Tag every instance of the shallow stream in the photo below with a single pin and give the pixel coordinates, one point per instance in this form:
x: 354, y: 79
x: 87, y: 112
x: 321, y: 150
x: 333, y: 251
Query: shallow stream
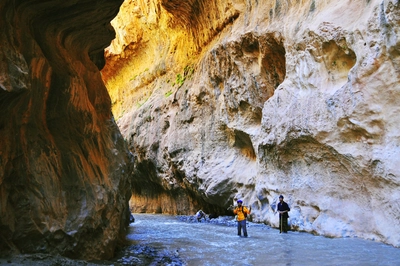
x: 172, y: 240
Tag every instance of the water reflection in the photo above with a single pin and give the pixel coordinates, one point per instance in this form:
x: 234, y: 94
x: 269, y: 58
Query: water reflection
x: 211, y: 244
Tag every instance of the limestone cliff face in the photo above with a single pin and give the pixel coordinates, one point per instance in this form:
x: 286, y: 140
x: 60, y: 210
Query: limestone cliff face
x: 254, y: 99
x: 64, y: 165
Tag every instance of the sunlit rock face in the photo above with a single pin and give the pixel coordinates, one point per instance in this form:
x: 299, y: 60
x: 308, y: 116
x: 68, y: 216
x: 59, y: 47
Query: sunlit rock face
x: 64, y: 166
x: 253, y: 99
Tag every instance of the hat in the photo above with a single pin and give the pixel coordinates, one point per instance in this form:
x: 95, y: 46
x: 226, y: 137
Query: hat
x: 281, y: 196
x: 239, y: 201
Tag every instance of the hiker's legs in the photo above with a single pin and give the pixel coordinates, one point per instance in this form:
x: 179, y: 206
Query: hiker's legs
x: 285, y: 224
x: 244, y: 227
x: 239, y: 227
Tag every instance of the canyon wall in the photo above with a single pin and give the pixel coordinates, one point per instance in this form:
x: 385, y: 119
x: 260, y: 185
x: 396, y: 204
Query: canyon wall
x: 64, y: 165
x: 253, y: 99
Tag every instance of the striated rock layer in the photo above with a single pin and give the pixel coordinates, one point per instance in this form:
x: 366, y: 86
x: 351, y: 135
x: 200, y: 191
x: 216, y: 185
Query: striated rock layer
x: 64, y: 165
x: 254, y: 99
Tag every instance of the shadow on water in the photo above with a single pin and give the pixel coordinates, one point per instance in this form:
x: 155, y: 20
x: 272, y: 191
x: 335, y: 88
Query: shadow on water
x: 181, y: 240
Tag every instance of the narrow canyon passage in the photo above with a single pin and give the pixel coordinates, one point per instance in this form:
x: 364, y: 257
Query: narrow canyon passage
x: 192, y: 243
x: 168, y: 106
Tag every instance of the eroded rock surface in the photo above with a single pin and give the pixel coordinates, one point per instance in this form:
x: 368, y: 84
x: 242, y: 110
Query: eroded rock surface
x: 253, y: 99
x: 64, y: 166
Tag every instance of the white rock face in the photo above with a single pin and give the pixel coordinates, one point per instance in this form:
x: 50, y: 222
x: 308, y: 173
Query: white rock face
x: 299, y: 98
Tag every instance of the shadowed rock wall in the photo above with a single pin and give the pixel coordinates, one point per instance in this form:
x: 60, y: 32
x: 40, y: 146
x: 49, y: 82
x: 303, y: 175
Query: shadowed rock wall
x: 64, y: 165
x: 253, y: 99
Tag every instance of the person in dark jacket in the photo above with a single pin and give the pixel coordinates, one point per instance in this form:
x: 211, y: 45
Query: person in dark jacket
x: 283, y: 209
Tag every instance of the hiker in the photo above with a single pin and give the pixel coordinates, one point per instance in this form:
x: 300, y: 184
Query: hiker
x: 283, y: 209
x: 241, y: 212
x: 200, y: 214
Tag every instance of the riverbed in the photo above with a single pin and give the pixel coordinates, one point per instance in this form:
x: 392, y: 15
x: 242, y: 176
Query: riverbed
x: 184, y: 241
x: 158, y: 240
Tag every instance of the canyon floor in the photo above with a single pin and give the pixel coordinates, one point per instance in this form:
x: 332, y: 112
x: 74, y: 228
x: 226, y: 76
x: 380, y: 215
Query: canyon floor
x: 156, y: 239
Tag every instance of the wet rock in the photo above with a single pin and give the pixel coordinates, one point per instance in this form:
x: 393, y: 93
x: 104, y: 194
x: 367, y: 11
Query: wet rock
x: 213, y: 216
x: 131, y: 218
x: 145, y: 255
x: 44, y: 260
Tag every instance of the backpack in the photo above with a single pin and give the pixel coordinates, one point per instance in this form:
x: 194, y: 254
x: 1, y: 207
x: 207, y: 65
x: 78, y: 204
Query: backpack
x: 245, y: 213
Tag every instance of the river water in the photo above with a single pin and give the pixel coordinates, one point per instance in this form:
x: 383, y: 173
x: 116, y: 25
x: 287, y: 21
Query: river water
x: 174, y: 240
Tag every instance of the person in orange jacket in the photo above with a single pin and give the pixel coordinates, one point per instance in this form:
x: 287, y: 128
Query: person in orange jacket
x: 241, y: 212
